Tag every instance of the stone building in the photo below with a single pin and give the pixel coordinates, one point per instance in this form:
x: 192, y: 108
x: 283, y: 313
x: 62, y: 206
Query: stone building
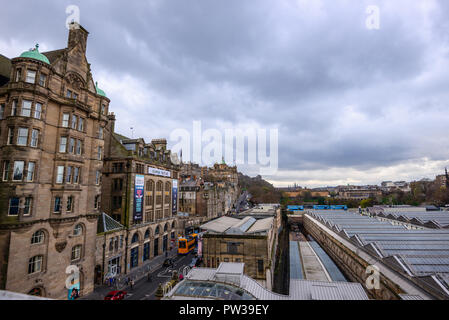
x: 52, y: 116
x: 139, y: 190
x: 442, y: 180
x: 222, y: 172
x: 189, y: 202
x: 110, y: 248
x: 359, y: 192
x: 248, y: 240
x: 206, y: 193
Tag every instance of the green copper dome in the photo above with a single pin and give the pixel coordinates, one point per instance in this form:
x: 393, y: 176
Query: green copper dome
x: 35, y: 54
x: 99, y: 91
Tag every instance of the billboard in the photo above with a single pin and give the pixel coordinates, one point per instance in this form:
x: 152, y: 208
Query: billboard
x: 174, y: 200
x: 138, y: 196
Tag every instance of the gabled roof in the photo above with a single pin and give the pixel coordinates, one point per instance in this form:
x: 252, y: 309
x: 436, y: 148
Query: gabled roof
x: 120, y: 137
x: 107, y: 224
x: 54, y: 55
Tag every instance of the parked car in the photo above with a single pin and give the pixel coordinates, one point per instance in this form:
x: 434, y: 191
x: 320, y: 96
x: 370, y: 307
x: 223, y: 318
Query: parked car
x: 168, y: 262
x: 115, y: 295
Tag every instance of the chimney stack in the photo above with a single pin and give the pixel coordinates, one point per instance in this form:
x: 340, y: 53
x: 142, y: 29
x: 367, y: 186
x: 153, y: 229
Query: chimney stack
x: 77, y: 34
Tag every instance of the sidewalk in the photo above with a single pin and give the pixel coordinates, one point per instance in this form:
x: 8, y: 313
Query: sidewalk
x: 135, y: 274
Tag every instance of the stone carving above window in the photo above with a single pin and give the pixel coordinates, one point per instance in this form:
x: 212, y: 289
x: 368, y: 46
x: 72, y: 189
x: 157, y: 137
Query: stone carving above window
x: 75, y: 81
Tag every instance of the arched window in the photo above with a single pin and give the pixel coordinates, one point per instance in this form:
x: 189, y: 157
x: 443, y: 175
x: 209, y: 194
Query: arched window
x: 168, y: 192
x: 159, y: 196
x: 35, y: 264
x: 173, y: 225
x: 38, y: 237
x: 147, y: 234
x: 157, y: 230
x: 78, y: 230
x: 166, y: 227
x: 150, y: 185
x: 135, y: 238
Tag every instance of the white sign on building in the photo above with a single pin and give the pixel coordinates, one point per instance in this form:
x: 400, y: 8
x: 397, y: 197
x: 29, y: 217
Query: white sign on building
x: 159, y: 172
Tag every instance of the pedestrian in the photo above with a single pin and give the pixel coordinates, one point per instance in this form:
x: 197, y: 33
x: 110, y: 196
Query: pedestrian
x: 132, y: 284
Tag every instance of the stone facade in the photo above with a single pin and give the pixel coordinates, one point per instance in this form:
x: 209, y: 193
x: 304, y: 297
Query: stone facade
x: 207, y: 193
x: 50, y: 121
x: 256, y: 251
x: 154, y: 231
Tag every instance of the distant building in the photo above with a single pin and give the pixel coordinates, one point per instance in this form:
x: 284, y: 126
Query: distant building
x: 358, y: 192
x: 442, y: 180
x: 206, y: 193
x: 397, y: 185
x: 304, y: 192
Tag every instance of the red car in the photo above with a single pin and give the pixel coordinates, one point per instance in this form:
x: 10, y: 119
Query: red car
x: 115, y: 295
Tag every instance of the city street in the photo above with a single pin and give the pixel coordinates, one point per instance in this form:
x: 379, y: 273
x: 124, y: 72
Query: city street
x: 145, y: 290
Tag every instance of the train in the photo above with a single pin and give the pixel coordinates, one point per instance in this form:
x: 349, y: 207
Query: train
x: 297, y: 208
x: 187, y: 244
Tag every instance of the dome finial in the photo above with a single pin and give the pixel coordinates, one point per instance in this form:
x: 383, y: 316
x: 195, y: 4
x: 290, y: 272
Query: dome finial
x: 37, y: 46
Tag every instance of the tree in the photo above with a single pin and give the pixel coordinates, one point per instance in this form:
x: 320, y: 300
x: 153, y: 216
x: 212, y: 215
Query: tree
x: 366, y: 203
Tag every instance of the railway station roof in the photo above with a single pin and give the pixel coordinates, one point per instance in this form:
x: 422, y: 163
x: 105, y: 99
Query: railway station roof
x: 421, y: 254
x: 203, y: 283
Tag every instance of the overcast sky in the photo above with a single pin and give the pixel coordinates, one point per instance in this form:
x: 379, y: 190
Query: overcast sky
x: 352, y: 104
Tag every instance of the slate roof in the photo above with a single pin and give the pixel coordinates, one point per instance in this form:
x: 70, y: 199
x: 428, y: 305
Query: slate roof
x: 421, y: 254
x: 54, y: 55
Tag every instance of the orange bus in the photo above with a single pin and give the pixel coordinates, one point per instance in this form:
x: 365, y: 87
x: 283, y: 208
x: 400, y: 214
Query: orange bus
x: 187, y: 244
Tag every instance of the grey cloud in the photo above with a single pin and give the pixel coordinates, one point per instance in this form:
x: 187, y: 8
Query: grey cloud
x: 275, y: 64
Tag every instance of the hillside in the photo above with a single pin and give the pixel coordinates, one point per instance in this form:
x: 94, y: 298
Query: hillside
x: 262, y: 191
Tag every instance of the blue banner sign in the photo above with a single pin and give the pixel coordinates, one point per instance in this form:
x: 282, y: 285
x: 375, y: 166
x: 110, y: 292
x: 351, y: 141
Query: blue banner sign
x: 138, y: 197
x: 174, y: 209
